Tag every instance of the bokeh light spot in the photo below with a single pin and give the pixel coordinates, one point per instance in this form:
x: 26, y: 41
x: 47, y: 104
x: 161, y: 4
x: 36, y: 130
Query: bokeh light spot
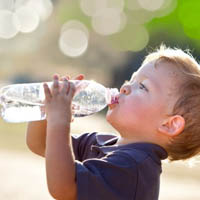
x: 19, y: 3
x: 107, y: 22
x: 123, y: 21
x: 132, y: 5
x: 28, y: 18
x: 140, y: 16
x: 43, y: 7
x: 167, y: 7
x: 151, y: 5
x: 9, y: 26
x: 116, y: 4
x: 92, y: 7
x: 6, y: 4
x: 132, y: 38
x: 74, y: 38
x: 75, y: 24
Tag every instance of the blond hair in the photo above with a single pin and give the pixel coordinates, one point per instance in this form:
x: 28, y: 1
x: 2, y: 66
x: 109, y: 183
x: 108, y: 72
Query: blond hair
x: 186, y: 144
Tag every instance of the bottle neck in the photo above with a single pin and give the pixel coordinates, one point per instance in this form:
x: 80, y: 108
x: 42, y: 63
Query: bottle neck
x: 111, y: 93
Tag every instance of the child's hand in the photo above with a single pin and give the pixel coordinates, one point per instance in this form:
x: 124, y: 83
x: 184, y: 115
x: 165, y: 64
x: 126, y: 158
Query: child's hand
x: 58, y: 101
x: 79, y: 77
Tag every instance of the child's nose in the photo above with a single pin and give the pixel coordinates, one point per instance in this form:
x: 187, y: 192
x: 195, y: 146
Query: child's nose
x: 125, y: 89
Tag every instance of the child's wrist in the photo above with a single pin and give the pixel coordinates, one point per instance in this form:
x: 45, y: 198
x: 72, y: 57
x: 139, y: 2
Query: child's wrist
x: 58, y: 126
x: 59, y: 118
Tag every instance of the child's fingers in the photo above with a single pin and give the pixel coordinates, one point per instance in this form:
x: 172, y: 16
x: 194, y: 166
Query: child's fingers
x: 66, y: 86
x: 79, y: 77
x: 72, y: 90
x: 47, y: 92
x: 62, y: 78
x: 65, y: 77
x: 55, y: 88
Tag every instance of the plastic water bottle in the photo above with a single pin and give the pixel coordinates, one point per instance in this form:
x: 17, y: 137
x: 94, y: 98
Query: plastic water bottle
x: 25, y: 102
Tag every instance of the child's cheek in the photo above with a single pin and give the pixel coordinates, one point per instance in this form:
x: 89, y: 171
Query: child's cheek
x: 138, y: 106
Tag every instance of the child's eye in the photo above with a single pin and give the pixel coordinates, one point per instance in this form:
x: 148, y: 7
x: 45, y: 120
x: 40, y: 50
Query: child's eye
x: 142, y: 86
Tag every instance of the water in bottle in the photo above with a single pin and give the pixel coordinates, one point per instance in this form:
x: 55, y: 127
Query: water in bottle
x: 25, y: 102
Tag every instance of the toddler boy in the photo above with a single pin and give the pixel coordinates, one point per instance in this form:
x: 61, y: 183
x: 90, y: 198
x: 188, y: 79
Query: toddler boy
x: 156, y: 115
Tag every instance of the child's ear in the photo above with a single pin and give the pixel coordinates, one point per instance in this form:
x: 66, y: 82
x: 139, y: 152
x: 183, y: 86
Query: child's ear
x: 173, y: 126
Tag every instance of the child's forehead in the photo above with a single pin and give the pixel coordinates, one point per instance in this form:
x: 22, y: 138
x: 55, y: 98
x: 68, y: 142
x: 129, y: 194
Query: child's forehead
x: 158, y: 76
x: 144, y: 70
x: 156, y: 67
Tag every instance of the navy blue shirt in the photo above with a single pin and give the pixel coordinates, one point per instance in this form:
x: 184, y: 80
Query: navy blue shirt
x: 105, y: 171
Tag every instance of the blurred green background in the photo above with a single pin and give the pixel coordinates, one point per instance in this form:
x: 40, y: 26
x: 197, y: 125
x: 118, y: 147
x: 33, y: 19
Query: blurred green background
x: 104, y: 39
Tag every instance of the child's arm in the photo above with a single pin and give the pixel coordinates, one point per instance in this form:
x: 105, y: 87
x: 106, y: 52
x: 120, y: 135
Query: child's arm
x: 36, y: 137
x: 60, y: 163
x: 36, y: 132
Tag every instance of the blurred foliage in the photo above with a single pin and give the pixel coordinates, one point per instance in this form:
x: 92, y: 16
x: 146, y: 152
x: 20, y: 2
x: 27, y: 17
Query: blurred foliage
x: 176, y: 28
x: 188, y: 13
x: 179, y: 27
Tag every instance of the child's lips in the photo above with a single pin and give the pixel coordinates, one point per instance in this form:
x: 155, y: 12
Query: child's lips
x: 114, y: 101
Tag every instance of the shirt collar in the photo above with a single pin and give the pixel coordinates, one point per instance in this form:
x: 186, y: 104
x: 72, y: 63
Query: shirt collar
x: 104, y: 139
x: 106, y: 144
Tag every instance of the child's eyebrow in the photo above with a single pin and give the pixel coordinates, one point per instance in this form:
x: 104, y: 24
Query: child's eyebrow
x: 143, y: 77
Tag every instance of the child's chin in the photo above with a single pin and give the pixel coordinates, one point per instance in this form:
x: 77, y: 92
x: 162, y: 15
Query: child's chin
x: 110, y: 119
x: 109, y: 115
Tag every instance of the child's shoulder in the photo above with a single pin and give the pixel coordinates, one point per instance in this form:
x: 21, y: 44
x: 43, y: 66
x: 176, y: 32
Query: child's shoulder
x: 142, y: 152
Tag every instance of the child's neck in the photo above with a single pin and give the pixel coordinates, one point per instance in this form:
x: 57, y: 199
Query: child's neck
x: 123, y: 141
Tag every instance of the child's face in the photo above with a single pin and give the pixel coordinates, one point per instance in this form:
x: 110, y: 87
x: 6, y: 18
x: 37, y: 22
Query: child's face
x: 144, y: 101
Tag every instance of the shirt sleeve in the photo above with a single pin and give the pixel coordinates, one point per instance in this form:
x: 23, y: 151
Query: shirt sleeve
x: 114, y: 177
